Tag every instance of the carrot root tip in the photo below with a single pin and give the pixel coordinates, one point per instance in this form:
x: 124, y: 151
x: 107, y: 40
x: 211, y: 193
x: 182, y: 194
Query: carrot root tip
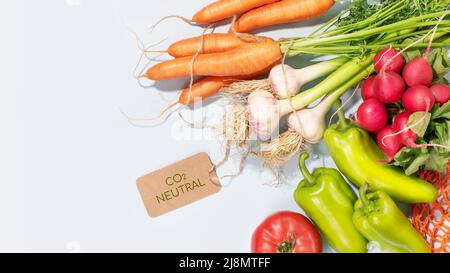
x: 133, y: 121
x: 193, y: 125
x: 155, y: 51
x: 184, y: 19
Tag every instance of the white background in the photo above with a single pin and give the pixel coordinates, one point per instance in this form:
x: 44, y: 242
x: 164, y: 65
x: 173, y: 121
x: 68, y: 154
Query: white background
x: 68, y: 157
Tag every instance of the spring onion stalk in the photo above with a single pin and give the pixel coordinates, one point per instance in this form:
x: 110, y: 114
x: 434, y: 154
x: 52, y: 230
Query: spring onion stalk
x: 310, y: 122
x: 342, y: 77
x: 334, y: 96
x: 285, y: 80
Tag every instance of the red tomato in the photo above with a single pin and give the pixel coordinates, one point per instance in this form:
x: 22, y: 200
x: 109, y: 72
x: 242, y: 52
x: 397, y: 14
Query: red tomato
x: 286, y: 232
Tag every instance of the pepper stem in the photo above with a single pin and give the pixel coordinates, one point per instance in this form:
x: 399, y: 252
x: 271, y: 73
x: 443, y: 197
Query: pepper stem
x: 363, y: 193
x: 343, y: 122
x: 302, y: 165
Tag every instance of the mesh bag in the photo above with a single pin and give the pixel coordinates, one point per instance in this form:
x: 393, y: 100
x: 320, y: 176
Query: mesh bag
x: 433, y: 220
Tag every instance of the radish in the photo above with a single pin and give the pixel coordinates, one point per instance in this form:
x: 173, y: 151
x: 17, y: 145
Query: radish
x: 389, y: 142
x: 372, y: 115
x: 418, y: 72
x: 401, y: 126
x: 389, y: 87
x: 441, y: 93
x: 418, y: 99
x: 368, y: 90
x: 389, y: 60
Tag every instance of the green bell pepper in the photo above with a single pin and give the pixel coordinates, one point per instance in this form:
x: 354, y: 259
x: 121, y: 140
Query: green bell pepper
x: 328, y: 200
x: 360, y: 159
x: 379, y: 219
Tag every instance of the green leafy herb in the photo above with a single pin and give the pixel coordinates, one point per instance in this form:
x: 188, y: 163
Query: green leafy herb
x: 362, y: 9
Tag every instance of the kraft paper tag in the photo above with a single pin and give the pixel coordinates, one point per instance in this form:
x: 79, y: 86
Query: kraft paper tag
x: 178, y: 185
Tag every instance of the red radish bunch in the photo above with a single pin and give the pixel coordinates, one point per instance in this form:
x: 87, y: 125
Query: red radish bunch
x: 385, y: 87
x: 408, y: 85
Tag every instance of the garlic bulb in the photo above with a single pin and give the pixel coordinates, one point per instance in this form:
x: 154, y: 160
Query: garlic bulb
x: 310, y: 123
x: 285, y: 81
x: 264, y: 113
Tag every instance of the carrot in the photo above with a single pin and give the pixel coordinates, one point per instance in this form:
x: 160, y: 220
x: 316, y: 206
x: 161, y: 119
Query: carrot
x: 244, y: 60
x: 204, y: 88
x: 212, y: 43
x: 209, y: 86
x: 286, y: 11
x: 224, y: 9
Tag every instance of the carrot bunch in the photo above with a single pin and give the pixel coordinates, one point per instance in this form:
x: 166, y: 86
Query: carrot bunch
x: 244, y: 60
x: 224, y: 58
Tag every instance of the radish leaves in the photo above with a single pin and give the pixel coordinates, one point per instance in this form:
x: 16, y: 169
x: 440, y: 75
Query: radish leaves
x: 419, y: 122
x: 437, y: 131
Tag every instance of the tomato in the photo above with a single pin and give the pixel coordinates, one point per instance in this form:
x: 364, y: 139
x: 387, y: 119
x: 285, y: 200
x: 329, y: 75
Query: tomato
x: 286, y: 232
